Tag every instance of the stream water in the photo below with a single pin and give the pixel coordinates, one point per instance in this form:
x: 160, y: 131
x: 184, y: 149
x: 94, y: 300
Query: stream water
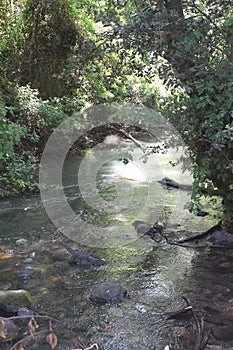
x: 156, y: 275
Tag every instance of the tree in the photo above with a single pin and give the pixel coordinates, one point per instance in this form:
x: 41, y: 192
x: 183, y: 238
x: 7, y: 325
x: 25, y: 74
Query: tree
x: 201, y: 54
x: 44, y: 33
x: 192, y: 44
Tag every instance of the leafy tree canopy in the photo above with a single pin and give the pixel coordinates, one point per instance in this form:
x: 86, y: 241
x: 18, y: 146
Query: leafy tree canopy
x: 81, y: 53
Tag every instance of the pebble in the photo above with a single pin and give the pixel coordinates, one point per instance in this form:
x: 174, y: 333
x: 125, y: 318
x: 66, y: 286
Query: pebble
x: 21, y: 242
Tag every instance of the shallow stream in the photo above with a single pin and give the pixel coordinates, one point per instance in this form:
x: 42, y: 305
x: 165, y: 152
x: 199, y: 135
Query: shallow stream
x: 155, y: 274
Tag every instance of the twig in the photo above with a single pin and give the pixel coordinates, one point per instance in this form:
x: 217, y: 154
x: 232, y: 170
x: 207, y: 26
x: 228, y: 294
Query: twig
x: 28, y: 338
x: 212, y: 22
x: 79, y: 343
x: 34, y: 316
x: 129, y: 136
x: 205, y: 340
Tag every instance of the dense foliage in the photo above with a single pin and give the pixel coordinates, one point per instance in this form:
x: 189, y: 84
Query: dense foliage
x: 57, y: 57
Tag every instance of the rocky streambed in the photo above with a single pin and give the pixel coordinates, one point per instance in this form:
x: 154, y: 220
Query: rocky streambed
x: 144, y: 279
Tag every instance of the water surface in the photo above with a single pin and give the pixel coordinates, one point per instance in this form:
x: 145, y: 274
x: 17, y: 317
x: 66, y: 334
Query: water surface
x: 156, y: 275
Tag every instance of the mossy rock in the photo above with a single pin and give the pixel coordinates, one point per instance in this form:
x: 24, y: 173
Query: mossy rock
x: 12, y: 300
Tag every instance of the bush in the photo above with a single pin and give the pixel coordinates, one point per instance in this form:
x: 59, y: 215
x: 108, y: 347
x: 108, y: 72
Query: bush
x: 24, y: 130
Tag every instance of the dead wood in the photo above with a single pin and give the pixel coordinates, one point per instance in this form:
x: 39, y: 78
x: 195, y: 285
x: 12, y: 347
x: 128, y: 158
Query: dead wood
x: 196, y: 238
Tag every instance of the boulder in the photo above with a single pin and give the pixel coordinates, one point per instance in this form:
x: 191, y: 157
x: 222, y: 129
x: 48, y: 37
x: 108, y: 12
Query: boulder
x: 144, y: 228
x: 109, y: 292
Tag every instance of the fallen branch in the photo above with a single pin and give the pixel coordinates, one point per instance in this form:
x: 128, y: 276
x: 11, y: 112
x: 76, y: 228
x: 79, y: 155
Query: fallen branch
x: 204, y: 234
x: 182, y: 242
x: 34, y: 316
x: 169, y: 183
x: 129, y: 136
x: 168, y: 241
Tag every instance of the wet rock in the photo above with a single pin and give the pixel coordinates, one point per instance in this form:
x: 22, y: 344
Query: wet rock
x: 24, y: 311
x: 143, y: 228
x: 21, y: 242
x: 25, y: 314
x: 28, y: 272
x: 82, y: 258
x: 223, y: 333
x: 221, y: 238
x: 109, y: 292
x: 12, y: 300
x: 8, y: 330
x: 222, y: 318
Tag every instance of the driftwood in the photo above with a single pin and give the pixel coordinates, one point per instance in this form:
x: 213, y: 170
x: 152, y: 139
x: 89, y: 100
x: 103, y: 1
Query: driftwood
x: 204, y: 234
x: 195, y: 238
x: 169, y: 183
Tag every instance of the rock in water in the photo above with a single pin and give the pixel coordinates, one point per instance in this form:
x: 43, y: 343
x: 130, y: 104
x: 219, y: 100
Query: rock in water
x: 12, y: 300
x: 144, y: 228
x: 222, y: 239
x: 82, y: 258
x: 109, y: 292
x: 8, y: 330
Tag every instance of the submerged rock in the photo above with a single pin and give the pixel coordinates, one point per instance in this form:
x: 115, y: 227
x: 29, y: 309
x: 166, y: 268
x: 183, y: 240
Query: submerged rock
x: 82, y: 258
x: 143, y: 228
x: 12, y: 300
x: 8, y: 330
x: 109, y: 292
x: 223, y: 333
x: 24, y: 311
x: 28, y: 272
x: 221, y: 238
